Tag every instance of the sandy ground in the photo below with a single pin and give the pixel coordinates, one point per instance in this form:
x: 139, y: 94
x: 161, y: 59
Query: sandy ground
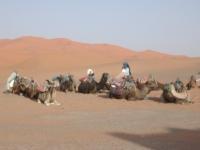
x: 93, y: 121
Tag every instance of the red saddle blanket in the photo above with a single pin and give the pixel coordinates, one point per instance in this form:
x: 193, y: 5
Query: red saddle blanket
x: 42, y: 87
x: 84, y: 79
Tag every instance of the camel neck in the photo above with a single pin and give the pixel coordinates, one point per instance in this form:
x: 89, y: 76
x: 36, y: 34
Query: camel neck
x: 160, y: 85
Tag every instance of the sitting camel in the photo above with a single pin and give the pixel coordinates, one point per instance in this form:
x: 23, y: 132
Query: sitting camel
x: 89, y: 85
x: 174, y: 92
x: 32, y: 90
x: 48, y: 96
x: 58, y: 79
x: 14, y: 89
x: 131, y: 90
x: 69, y: 85
x: 194, y: 82
x: 20, y: 87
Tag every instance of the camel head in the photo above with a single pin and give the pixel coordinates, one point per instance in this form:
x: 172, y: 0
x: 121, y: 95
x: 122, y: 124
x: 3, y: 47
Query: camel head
x: 23, y: 82
x: 152, y: 83
x: 52, y: 84
x: 104, y: 77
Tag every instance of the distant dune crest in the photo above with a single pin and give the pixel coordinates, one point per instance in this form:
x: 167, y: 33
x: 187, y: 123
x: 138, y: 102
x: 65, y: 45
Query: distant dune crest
x: 39, y: 52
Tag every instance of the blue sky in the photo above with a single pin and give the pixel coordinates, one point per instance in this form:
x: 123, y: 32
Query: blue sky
x: 168, y: 26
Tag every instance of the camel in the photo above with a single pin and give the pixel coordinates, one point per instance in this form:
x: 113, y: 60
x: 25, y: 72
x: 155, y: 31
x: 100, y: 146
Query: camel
x: 20, y: 87
x: 174, y: 92
x: 59, y: 80
x: 194, y: 82
x: 68, y: 85
x: 32, y: 91
x: 49, y: 96
x: 15, y: 88
x: 111, y: 79
x: 91, y: 86
x: 132, y: 90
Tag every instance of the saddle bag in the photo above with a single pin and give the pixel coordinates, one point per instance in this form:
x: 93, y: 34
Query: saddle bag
x: 54, y: 78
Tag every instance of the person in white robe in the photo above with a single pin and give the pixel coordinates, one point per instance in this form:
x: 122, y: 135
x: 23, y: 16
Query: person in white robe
x: 90, y: 72
x: 10, y: 81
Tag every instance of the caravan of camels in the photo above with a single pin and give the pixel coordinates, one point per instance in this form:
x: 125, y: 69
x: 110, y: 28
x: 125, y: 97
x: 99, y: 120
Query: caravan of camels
x: 122, y: 86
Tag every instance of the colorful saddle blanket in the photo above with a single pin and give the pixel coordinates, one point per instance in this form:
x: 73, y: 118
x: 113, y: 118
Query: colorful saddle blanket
x: 117, y: 87
x: 118, y: 82
x: 42, y: 87
x: 142, y: 80
x: 116, y: 90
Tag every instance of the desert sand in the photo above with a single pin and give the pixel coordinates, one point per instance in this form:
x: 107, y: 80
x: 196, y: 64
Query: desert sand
x: 93, y: 121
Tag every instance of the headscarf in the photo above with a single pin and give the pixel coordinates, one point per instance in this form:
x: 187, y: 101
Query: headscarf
x: 16, y: 71
x: 127, y: 66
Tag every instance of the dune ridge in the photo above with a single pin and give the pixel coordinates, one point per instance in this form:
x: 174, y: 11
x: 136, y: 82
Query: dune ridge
x: 27, y: 49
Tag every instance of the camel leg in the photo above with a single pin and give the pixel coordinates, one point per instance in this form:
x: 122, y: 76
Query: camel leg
x: 131, y: 99
x: 38, y: 100
x: 128, y: 98
x: 55, y: 102
x: 47, y: 99
x: 162, y: 98
x: 40, y: 97
x: 75, y: 89
x: 110, y: 95
x: 189, y: 100
x: 66, y: 90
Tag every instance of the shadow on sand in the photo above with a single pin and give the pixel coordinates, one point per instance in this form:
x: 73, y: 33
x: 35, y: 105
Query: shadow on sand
x: 183, y: 139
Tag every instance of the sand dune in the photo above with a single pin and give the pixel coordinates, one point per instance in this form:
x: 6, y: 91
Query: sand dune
x: 26, y: 48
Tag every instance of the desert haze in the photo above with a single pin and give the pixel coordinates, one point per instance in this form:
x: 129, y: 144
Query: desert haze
x: 94, y: 121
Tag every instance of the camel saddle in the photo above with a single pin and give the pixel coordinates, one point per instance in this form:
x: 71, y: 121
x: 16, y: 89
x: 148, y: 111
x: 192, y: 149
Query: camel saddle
x: 32, y: 83
x: 142, y: 80
x: 86, y: 79
x: 117, y: 86
x: 42, y: 87
x: 116, y: 90
x: 54, y: 78
x: 65, y: 78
